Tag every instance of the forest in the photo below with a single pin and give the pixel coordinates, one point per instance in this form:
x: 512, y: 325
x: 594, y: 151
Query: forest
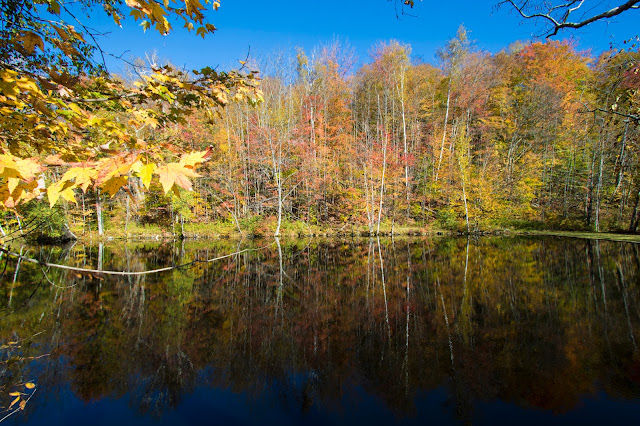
x: 470, y: 272
x: 537, y: 136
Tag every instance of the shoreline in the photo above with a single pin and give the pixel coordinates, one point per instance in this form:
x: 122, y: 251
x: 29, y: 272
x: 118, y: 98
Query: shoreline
x: 338, y: 233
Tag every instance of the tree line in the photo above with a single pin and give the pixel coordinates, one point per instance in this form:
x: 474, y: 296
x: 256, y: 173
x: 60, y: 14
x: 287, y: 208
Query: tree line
x: 537, y: 135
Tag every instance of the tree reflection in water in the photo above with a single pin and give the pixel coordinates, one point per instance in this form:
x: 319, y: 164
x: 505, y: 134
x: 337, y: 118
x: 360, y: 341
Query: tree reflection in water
x: 538, y: 322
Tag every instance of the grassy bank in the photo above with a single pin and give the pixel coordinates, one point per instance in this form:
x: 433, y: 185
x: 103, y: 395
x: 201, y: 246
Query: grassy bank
x: 251, y: 229
x: 53, y: 227
x: 634, y: 238
x: 257, y: 227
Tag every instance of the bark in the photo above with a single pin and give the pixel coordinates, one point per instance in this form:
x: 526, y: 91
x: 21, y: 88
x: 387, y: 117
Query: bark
x: 99, y: 213
x: 444, y: 131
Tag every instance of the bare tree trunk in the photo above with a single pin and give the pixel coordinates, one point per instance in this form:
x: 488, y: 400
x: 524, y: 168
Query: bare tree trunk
x: 404, y: 136
x: 384, y: 170
x: 464, y: 197
x: 99, y: 213
x: 599, y: 188
x: 444, y: 131
x: 126, y: 220
x: 100, y: 255
x: 633, y: 224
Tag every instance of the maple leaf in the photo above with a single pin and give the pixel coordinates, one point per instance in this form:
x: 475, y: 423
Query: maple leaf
x: 145, y: 173
x: 193, y: 159
x: 59, y: 189
x: 175, y: 174
x: 113, y: 185
x: 83, y: 176
x: 114, y: 166
x: 29, y: 41
x: 12, y: 183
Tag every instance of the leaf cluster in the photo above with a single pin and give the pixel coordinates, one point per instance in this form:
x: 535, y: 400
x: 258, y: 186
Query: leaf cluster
x: 61, y: 109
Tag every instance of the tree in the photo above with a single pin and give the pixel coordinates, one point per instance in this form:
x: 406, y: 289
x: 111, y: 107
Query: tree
x: 558, y: 15
x: 61, y: 108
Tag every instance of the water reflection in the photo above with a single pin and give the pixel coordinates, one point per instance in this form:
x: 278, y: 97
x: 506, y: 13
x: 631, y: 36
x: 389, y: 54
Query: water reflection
x: 311, y: 327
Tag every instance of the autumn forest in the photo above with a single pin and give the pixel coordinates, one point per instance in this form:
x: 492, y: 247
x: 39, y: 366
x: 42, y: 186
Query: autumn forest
x: 539, y: 135
x: 459, y: 221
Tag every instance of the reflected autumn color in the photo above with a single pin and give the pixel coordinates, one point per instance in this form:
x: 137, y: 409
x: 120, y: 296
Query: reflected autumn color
x: 536, y: 322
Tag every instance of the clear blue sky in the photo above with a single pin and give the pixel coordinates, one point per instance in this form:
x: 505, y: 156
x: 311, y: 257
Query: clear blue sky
x: 267, y: 26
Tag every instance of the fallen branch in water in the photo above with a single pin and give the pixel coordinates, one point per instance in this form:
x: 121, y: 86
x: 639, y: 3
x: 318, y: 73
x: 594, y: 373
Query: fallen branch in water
x: 21, y: 407
x: 124, y: 273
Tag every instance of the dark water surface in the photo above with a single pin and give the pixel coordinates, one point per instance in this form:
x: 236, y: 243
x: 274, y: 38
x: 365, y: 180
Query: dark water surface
x: 412, y: 331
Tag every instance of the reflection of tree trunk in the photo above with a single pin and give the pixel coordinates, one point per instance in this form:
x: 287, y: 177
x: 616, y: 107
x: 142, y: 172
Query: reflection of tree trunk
x: 384, y: 291
x: 465, y: 307
x: 280, y: 284
x: 408, y: 309
x: 601, y: 275
x: 626, y: 305
x: 595, y: 266
x: 369, y: 254
x: 592, y: 275
x: 15, y: 277
x: 446, y: 321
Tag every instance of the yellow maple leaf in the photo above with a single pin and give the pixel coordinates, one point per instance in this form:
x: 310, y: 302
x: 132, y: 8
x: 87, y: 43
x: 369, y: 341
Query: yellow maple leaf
x: 28, y: 168
x: 145, y: 173
x: 59, y: 189
x: 175, y: 174
x: 114, y: 167
x: 193, y: 159
x: 113, y: 185
x: 12, y: 183
x: 83, y: 176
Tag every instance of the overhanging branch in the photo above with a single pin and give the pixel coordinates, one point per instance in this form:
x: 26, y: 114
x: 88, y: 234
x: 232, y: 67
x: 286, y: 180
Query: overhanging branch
x: 565, y: 10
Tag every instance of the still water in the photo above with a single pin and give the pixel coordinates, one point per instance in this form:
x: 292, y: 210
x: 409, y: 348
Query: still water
x: 504, y: 330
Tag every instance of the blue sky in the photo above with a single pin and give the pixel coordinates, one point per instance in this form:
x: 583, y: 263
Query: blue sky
x: 277, y: 25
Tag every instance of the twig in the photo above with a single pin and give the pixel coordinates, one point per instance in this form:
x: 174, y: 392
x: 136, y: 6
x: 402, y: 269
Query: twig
x: 19, y: 408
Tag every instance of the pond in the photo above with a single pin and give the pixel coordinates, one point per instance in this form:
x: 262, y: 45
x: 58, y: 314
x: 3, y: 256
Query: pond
x: 491, y: 330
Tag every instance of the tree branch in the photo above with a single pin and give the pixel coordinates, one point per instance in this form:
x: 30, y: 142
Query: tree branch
x: 563, y: 22
x: 124, y: 273
x: 633, y: 117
